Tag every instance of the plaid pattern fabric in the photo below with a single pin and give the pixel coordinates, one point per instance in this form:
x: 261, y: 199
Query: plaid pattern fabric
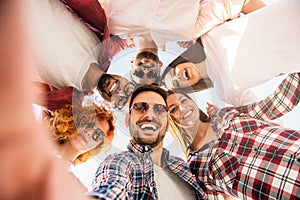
x: 253, y: 159
x: 130, y: 175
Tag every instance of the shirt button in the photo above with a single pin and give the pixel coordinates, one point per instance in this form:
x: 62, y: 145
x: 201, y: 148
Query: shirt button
x: 152, y: 184
x: 146, y: 148
x: 147, y: 160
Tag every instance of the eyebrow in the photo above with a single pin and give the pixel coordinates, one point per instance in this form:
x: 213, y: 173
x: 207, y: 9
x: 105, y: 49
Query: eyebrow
x: 175, y: 83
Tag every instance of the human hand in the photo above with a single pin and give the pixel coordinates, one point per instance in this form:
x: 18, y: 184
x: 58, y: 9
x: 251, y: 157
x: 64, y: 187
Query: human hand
x: 185, y: 44
x: 211, y: 109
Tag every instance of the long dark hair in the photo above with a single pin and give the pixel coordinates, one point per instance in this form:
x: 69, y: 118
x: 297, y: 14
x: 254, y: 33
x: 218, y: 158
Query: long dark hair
x: 194, y: 54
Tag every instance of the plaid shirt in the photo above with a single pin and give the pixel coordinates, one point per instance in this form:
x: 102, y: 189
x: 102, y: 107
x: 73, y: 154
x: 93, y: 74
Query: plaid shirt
x: 130, y: 175
x: 253, y: 159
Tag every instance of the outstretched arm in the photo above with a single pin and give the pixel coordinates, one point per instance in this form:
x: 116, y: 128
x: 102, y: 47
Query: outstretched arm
x: 29, y: 169
x: 283, y: 100
x: 252, y: 5
x: 111, y: 179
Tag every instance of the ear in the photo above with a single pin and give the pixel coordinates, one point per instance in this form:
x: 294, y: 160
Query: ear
x: 160, y: 63
x: 127, y: 120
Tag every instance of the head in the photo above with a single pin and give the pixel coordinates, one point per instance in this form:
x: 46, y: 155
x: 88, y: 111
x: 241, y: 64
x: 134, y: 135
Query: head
x: 185, y: 118
x: 183, y: 74
x: 145, y: 68
x: 86, y: 129
x: 148, y: 116
x: 115, y: 89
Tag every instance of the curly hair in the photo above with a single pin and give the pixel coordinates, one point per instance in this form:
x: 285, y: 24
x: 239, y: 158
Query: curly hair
x: 62, y: 125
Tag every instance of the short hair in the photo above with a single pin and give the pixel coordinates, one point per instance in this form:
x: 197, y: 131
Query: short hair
x: 152, y: 88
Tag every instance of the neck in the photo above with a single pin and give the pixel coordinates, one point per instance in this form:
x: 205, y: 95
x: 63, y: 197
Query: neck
x: 201, y: 68
x: 91, y: 78
x: 68, y: 152
x: 157, y: 154
x: 147, y: 44
x: 201, y: 137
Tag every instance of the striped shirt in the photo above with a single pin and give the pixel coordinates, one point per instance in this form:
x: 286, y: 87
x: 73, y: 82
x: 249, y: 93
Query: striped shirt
x: 130, y: 174
x: 253, y: 158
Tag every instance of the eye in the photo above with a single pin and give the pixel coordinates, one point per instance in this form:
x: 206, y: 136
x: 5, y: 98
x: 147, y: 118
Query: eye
x: 183, y: 100
x: 159, y: 109
x: 173, y: 109
x: 141, y: 107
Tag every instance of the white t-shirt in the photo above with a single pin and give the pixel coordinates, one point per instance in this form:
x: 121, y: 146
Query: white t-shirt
x: 63, y: 47
x: 171, y: 186
x: 251, y: 50
x: 168, y: 20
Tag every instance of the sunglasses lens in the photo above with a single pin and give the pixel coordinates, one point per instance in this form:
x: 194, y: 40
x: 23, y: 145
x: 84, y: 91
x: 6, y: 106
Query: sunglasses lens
x: 139, y: 73
x: 142, y: 107
x: 151, y: 74
x: 121, y: 102
x: 98, y: 135
x: 159, y: 109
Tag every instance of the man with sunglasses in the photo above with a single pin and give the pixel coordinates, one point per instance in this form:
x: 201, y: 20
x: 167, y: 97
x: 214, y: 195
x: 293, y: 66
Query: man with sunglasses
x: 146, y: 170
x: 116, y: 90
x: 145, y: 66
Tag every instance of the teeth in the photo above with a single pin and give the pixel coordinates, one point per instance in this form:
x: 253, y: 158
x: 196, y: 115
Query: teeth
x: 149, y: 126
x: 112, y: 87
x: 187, y: 114
x: 185, y: 74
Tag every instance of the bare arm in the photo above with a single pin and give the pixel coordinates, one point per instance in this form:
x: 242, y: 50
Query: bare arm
x: 29, y: 169
x: 252, y: 5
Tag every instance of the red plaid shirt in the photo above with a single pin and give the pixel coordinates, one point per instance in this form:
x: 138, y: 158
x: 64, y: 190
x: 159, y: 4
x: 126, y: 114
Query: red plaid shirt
x: 130, y: 175
x: 253, y: 159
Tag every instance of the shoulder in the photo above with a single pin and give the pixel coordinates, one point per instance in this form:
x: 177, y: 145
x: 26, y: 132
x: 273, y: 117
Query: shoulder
x: 120, y: 159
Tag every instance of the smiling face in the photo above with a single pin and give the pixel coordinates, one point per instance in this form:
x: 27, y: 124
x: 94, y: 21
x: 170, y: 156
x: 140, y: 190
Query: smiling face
x: 90, y: 134
x: 148, y: 120
x: 145, y: 68
x: 115, y: 89
x: 183, y: 75
x: 182, y: 109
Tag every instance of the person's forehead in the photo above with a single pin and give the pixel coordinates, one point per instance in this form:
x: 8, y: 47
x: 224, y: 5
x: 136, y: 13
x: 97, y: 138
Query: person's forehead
x: 149, y: 97
x: 174, y: 97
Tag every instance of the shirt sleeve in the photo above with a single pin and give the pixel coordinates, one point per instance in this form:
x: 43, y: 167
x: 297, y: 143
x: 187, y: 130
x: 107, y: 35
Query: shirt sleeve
x: 220, y: 119
x: 111, y: 180
x: 283, y: 100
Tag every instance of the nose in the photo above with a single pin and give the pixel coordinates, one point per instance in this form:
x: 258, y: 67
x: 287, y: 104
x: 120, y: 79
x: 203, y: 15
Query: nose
x: 150, y: 112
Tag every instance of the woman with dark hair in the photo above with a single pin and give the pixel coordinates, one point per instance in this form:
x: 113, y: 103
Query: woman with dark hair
x: 232, y: 63
x: 188, y: 71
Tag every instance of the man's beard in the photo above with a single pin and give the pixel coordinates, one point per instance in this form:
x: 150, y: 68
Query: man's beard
x: 152, y: 141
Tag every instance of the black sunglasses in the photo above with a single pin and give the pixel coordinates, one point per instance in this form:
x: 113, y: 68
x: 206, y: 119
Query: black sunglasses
x: 151, y: 74
x: 141, y: 108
